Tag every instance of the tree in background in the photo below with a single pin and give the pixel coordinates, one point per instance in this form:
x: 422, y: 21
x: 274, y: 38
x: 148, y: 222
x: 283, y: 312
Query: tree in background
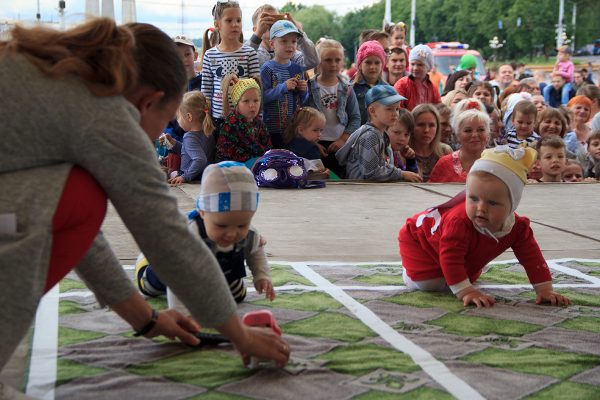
x: 456, y: 20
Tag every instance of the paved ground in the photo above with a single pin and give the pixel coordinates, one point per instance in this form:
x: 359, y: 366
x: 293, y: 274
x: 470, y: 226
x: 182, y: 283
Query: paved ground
x: 360, y: 222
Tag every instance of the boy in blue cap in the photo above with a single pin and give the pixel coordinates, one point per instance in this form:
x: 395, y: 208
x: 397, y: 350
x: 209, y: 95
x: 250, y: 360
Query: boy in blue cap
x: 283, y: 81
x: 367, y: 153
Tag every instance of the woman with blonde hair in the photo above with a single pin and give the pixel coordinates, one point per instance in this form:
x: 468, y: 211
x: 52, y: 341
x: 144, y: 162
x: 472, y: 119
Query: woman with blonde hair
x: 427, y: 139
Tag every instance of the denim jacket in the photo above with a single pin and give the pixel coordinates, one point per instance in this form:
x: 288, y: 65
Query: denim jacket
x: 347, y: 111
x: 361, y: 88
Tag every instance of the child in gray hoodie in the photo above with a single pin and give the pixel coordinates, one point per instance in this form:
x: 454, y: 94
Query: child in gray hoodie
x: 367, y: 153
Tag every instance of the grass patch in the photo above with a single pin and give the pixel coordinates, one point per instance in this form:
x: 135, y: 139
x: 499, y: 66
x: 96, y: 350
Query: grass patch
x: 405, y: 326
x: 557, y: 364
x: 308, y: 301
x: 588, y: 264
x: 589, y: 324
x: 206, y: 368
x: 281, y: 276
x: 217, y: 396
x: 499, y: 274
x: 567, y: 391
x: 469, y: 325
x: 66, y: 307
x: 68, y: 336
x: 331, y: 326
x: 577, y: 298
x: 362, y: 359
x: 67, y: 370
x: 422, y: 393
x: 445, y: 301
x: 381, y: 279
x: 69, y: 284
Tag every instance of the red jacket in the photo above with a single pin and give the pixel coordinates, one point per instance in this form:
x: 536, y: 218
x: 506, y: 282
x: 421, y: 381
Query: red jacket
x: 457, y: 251
x: 406, y: 87
x: 448, y: 169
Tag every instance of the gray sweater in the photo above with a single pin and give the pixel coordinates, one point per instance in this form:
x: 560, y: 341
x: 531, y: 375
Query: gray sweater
x: 47, y: 126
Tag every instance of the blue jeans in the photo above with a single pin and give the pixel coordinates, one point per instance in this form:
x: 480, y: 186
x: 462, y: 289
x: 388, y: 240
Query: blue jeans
x: 564, y: 94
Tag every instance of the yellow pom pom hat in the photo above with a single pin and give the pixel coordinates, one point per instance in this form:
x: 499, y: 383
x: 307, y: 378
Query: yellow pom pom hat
x: 510, y: 166
x: 239, y: 87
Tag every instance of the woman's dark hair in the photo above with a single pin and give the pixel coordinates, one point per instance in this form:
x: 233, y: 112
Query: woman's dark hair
x: 158, y: 61
x: 451, y: 81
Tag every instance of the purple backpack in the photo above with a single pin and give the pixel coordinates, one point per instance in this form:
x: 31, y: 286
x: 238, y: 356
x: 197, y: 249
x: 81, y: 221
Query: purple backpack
x: 279, y: 168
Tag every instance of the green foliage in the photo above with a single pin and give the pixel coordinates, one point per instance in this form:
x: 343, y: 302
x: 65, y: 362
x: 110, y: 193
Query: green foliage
x: 558, y: 364
x: 567, y: 391
x: 68, y: 370
x: 469, y: 325
x: 335, y: 326
x: 360, y: 359
x: 451, y: 20
x: 318, y: 22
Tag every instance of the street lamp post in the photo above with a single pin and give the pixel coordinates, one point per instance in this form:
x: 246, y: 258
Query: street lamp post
x: 495, y: 44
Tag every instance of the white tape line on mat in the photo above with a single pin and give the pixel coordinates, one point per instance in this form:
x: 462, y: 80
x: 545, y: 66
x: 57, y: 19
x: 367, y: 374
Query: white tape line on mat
x: 437, y: 370
x: 42, y: 371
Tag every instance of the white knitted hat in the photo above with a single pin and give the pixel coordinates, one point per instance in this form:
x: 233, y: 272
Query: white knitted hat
x: 227, y: 186
x: 510, y: 166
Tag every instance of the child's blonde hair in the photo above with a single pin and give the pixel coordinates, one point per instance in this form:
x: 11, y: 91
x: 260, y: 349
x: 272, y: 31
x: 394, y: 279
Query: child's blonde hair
x: 234, y: 88
x: 391, y: 28
x: 328, y: 44
x: 196, y: 104
x: 302, y: 117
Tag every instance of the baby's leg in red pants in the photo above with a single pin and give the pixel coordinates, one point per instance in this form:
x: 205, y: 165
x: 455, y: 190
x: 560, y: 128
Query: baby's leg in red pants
x: 76, y: 222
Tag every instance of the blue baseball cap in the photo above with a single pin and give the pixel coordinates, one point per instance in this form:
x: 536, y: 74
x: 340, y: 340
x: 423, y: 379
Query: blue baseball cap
x: 384, y: 94
x: 283, y: 27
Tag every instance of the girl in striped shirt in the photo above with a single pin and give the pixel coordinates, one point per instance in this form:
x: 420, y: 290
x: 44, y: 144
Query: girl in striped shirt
x: 229, y: 56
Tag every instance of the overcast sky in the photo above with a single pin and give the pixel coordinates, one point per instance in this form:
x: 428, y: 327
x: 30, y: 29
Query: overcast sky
x: 165, y: 14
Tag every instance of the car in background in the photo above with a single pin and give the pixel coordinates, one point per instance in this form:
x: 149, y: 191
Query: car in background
x: 447, y: 57
x: 596, y: 51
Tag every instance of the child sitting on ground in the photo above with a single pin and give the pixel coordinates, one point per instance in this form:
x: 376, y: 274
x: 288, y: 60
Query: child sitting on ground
x: 226, y: 204
x: 552, y: 159
x: 523, y: 121
x: 283, y: 81
x: 448, y: 246
x: 303, y: 133
x: 399, y: 136
x: 367, y: 153
x: 198, y: 147
x: 243, y: 136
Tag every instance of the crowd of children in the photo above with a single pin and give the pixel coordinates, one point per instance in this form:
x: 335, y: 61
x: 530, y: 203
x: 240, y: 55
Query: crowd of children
x: 254, y: 91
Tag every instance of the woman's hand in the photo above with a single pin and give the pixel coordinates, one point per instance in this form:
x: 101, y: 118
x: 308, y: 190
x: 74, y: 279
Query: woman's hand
x: 255, y: 342
x: 173, y: 324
